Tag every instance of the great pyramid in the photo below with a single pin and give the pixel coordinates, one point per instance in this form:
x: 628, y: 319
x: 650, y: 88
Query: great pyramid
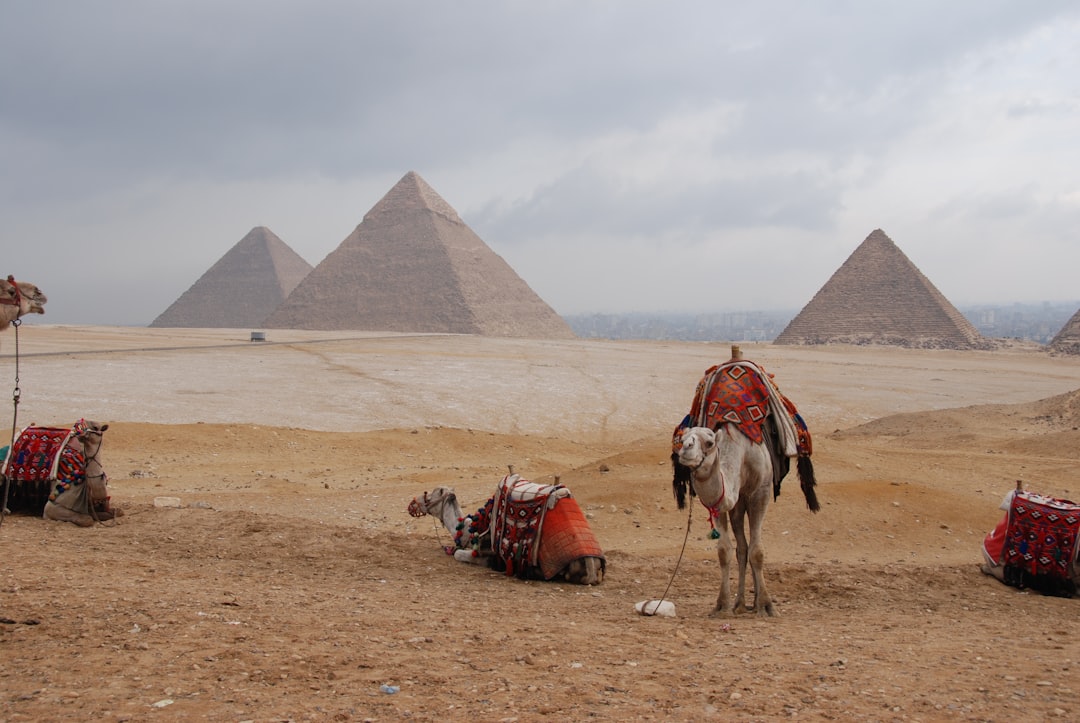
x: 879, y: 297
x: 1067, y: 340
x: 242, y: 288
x: 412, y: 265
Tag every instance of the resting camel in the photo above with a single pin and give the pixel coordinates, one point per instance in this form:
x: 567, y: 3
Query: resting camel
x: 733, y: 450
x: 563, y: 546
x: 82, y: 497
x: 18, y: 298
x: 1036, y: 544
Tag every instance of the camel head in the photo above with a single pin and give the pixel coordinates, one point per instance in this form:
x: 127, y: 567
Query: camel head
x: 691, y: 447
x: 90, y: 435
x: 89, y: 432
x: 440, y: 503
x: 432, y: 503
x: 697, y: 444
x: 28, y: 297
x: 35, y: 295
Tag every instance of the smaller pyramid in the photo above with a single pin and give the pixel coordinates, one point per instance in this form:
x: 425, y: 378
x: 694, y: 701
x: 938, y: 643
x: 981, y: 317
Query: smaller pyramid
x: 1067, y: 340
x: 242, y: 288
x: 412, y: 265
x: 879, y: 297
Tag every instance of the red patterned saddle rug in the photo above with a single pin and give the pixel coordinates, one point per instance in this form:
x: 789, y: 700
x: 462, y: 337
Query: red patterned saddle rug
x: 741, y: 393
x: 1042, y: 539
x: 734, y: 393
x: 538, y: 527
x: 49, y: 457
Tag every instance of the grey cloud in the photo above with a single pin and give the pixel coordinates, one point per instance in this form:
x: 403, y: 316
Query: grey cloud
x: 584, y: 202
x: 110, y: 111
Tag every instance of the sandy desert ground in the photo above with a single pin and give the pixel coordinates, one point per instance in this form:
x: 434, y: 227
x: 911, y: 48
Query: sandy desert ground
x: 292, y: 585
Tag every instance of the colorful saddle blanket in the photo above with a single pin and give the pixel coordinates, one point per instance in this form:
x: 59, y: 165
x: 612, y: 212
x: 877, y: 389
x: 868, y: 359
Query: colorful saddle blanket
x: 47, y: 454
x: 533, y: 527
x: 1043, y: 536
x: 566, y: 536
x: 518, y: 514
x: 743, y: 393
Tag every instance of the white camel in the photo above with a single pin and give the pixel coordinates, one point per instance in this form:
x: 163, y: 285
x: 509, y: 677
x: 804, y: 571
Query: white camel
x: 84, y: 500
x: 733, y: 478
x: 474, y: 541
x: 18, y: 298
x: 733, y: 450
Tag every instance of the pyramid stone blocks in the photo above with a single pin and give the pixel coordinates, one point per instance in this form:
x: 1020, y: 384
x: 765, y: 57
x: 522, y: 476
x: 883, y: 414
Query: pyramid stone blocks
x: 242, y: 288
x: 878, y: 296
x: 412, y: 265
x: 1067, y: 340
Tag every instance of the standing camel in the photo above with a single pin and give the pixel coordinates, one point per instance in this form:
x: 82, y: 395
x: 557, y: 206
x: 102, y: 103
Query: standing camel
x: 732, y: 450
x: 732, y: 477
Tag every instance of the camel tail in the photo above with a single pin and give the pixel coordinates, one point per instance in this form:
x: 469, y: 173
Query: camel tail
x: 808, y: 482
x: 681, y: 481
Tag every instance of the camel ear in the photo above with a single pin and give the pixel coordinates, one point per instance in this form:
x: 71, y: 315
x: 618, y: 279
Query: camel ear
x: 104, y: 427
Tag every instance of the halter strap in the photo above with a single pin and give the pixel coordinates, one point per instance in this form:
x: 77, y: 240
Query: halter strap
x: 415, y: 508
x: 714, y: 509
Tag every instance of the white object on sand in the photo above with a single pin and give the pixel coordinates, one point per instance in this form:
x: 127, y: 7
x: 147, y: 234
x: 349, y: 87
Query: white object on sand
x: 663, y: 608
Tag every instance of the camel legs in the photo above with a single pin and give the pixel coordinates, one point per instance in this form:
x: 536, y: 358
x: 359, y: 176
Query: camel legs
x: 723, y: 554
x: 742, y: 553
x: 54, y: 511
x: 763, y: 604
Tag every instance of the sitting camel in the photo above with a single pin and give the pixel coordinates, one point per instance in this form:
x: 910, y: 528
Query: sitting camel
x: 18, y: 298
x: 68, y: 460
x: 526, y: 529
x: 1036, y: 544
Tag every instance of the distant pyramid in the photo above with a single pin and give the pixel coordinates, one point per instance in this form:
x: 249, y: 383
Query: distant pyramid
x: 242, y: 288
x: 879, y: 297
x: 413, y: 265
x: 1067, y: 340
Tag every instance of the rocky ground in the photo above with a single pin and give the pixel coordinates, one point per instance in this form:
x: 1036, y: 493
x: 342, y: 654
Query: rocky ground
x: 291, y: 584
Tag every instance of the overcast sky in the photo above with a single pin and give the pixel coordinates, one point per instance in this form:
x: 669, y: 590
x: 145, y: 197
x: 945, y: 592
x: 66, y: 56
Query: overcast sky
x: 620, y: 155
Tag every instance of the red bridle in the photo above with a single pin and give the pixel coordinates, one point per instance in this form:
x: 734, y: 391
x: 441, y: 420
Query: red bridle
x: 415, y: 509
